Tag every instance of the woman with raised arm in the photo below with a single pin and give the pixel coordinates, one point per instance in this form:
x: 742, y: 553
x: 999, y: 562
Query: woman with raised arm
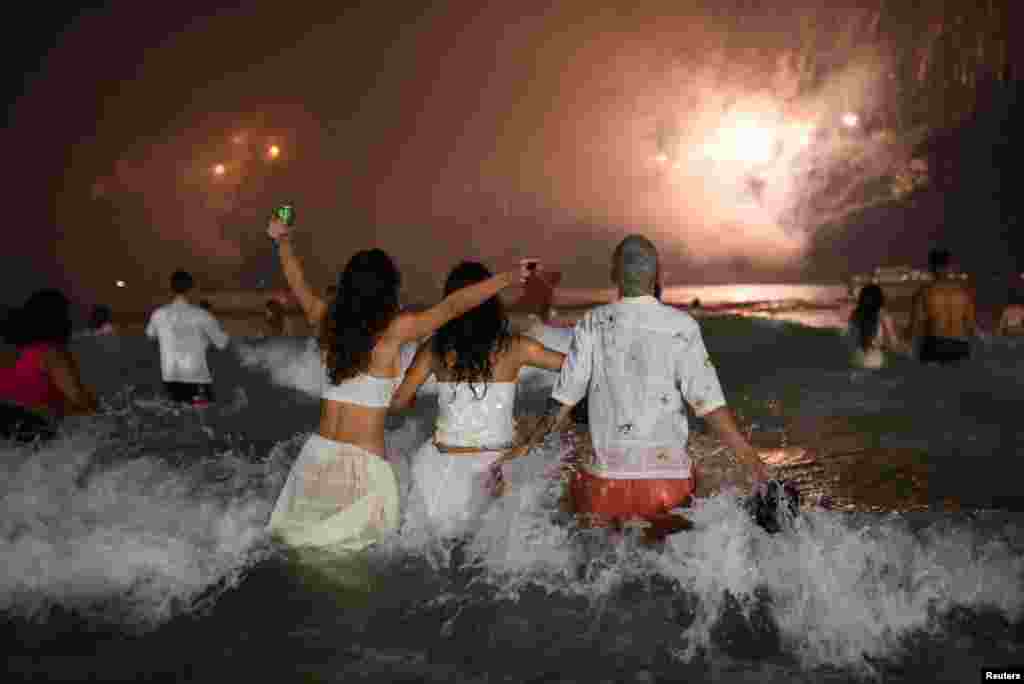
x: 341, y: 492
x: 476, y: 361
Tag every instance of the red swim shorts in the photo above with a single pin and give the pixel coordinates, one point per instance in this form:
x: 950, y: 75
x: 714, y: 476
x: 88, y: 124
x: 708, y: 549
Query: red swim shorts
x: 608, y: 500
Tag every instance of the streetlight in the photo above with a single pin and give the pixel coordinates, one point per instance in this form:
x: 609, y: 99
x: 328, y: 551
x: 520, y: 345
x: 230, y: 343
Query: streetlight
x: 273, y: 152
x: 219, y: 170
x: 120, y: 283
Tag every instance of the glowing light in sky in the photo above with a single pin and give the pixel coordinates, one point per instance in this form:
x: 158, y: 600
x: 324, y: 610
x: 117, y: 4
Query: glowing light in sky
x: 742, y: 140
x: 273, y: 151
x: 120, y: 283
x: 850, y: 120
x: 219, y: 170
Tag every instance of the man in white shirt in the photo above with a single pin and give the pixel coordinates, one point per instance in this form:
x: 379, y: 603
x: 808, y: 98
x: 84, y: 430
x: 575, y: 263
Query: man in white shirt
x: 637, y: 360
x: 184, y: 332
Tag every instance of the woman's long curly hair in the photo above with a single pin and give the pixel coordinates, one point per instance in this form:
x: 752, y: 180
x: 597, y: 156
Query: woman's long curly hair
x: 866, y: 316
x: 474, y: 336
x: 366, y: 302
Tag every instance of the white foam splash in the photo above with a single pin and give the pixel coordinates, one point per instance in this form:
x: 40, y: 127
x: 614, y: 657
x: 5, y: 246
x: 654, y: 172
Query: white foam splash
x: 134, y: 542
x: 838, y: 593
x: 136, y: 538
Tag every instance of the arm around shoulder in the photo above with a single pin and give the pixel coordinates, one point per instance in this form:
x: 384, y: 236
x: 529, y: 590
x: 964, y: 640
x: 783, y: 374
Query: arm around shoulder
x: 416, y: 326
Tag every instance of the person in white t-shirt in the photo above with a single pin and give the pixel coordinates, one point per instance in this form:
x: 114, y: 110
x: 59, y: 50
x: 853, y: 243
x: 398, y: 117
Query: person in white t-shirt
x: 184, y: 332
x: 636, y: 360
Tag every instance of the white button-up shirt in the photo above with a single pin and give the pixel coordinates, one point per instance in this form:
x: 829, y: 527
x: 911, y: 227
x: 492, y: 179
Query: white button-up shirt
x: 184, y: 332
x: 639, y: 359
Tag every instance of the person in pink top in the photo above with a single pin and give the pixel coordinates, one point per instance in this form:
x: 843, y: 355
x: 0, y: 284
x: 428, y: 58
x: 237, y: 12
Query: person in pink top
x: 44, y: 383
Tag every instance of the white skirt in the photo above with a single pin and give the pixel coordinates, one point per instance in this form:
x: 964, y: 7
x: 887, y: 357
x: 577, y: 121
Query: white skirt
x: 449, y: 491
x: 338, y: 496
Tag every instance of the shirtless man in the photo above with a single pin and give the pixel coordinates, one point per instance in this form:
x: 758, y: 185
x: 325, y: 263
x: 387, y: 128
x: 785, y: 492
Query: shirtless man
x: 943, y: 315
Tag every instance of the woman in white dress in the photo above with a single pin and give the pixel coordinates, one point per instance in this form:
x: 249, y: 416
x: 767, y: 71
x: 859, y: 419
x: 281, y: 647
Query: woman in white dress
x: 872, y: 330
x: 476, y: 361
x: 341, y: 493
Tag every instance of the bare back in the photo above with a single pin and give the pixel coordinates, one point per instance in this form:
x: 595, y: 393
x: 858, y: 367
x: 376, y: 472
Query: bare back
x: 946, y: 309
x: 363, y: 426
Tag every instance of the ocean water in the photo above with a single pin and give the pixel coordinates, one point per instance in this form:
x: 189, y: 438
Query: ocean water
x: 134, y: 546
x: 717, y: 295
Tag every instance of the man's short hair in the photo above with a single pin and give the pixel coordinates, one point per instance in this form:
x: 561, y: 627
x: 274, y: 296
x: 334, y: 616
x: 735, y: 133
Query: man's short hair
x: 939, y: 259
x: 181, y: 282
x: 635, y: 265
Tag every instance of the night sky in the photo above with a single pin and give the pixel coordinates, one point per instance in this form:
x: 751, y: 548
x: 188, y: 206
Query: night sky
x: 487, y: 130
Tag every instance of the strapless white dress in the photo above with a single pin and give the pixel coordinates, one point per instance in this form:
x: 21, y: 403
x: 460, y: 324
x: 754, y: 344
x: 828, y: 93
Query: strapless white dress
x: 450, y: 491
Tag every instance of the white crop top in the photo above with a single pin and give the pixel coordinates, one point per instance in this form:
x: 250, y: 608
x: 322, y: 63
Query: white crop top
x: 363, y: 390
x: 484, y: 420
